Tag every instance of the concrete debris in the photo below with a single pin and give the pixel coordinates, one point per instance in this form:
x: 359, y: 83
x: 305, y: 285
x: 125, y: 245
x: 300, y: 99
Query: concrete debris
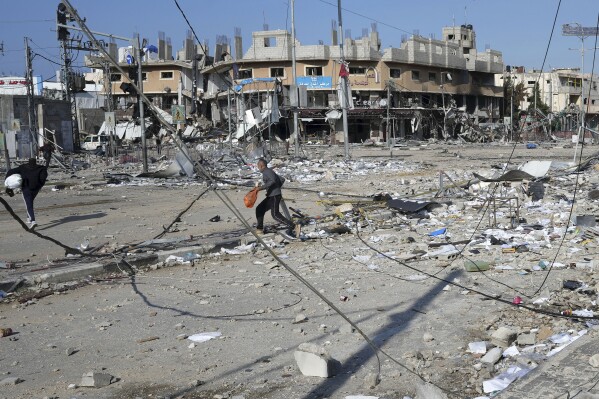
x: 527, y: 339
x: 492, y: 356
x: 314, y: 361
x: 428, y: 391
x: 96, y: 380
x: 11, y: 381
x: 503, y: 337
x: 505, y: 220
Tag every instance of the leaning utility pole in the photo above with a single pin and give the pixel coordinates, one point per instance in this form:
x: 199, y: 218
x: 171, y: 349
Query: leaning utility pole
x: 294, y: 82
x: 344, y: 85
x: 30, y: 106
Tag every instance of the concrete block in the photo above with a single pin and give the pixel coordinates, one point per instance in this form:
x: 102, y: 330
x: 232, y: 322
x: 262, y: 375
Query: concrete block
x: 492, y: 356
x: 96, y: 380
x: 503, y: 337
x: 527, y: 339
x: 314, y: 361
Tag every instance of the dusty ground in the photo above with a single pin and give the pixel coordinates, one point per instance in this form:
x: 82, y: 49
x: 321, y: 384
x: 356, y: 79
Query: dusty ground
x: 254, y: 304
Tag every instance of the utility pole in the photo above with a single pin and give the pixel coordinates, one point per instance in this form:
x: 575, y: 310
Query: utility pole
x: 581, y: 32
x: 294, y: 82
x: 2, y: 128
x: 108, y: 105
x: 30, y: 106
x: 344, y: 84
x: 63, y: 37
x: 140, y: 103
x: 388, y: 129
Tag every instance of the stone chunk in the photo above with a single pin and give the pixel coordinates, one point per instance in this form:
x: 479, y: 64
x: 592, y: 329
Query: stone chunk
x: 428, y: 337
x: 527, y: 339
x: 594, y: 360
x: 11, y: 381
x: 544, y: 333
x: 96, y: 380
x: 314, y: 361
x: 70, y: 351
x: 492, y: 356
x: 503, y: 337
x: 429, y: 391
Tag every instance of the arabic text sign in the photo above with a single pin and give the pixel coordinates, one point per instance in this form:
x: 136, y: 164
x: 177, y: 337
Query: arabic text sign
x: 315, y: 82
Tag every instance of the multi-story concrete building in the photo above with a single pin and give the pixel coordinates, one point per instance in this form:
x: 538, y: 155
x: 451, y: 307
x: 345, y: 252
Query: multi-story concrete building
x: 411, y: 88
x: 565, y: 91
x: 414, y: 84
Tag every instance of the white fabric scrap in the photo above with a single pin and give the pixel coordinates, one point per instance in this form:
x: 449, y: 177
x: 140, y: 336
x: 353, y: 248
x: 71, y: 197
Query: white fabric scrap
x: 178, y: 259
x: 205, y: 336
x: 242, y: 249
x: 504, y: 379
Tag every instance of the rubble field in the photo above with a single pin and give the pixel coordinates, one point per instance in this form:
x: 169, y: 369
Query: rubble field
x: 468, y: 265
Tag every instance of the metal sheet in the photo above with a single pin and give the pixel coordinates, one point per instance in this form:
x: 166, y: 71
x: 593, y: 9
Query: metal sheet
x: 536, y: 168
x: 409, y: 206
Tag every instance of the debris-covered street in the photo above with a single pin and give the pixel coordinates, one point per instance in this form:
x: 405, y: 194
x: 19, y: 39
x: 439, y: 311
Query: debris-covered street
x: 437, y: 253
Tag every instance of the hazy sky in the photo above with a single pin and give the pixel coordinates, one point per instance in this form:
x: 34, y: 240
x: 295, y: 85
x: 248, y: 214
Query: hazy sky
x: 519, y: 29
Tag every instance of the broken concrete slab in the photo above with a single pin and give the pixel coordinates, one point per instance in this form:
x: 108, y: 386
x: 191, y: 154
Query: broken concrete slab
x: 315, y: 361
x: 527, y: 339
x: 492, y: 356
x: 503, y: 337
x: 96, y: 380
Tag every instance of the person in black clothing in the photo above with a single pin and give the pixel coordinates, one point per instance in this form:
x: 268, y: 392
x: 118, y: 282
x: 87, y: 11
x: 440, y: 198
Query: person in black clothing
x: 272, y: 183
x: 34, y: 177
x: 47, y: 150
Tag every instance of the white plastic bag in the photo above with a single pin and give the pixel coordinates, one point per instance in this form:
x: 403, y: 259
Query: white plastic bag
x: 13, y: 181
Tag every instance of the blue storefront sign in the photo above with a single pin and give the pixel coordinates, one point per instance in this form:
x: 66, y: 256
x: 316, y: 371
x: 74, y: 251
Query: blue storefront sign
x: 315, y: 82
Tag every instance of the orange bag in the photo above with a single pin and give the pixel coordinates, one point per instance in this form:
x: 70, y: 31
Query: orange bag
x: 250, y: 198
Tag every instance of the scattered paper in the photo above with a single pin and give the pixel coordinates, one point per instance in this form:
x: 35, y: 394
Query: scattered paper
x: 205, y: 336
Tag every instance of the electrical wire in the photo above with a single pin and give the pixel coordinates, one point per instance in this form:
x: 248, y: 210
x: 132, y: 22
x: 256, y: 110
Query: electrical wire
x: 576, y: 183
x: 47, y: 59
x: 367, y: 17
x: 488, y: 296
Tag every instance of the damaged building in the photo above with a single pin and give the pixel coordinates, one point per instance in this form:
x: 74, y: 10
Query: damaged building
x: 416, y: 89
x: 426, y: 88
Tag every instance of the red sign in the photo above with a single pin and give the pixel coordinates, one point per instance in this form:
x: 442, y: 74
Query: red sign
x: 13, y: 82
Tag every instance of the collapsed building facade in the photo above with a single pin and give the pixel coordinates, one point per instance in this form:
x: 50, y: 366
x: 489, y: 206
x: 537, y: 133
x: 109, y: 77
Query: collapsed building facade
x: 416, y: 89
x: 426, y: 88
x: 565, y: 92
